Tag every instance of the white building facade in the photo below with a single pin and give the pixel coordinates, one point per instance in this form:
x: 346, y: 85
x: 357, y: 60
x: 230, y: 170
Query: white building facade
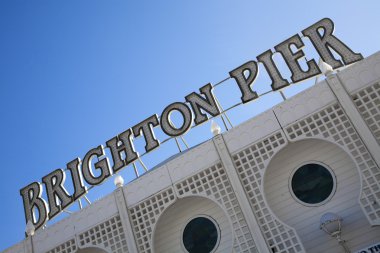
x: 260, y: 187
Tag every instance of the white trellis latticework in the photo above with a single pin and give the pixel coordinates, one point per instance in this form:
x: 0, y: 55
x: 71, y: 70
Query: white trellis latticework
x: 333, y: 124
x: 250, y: 164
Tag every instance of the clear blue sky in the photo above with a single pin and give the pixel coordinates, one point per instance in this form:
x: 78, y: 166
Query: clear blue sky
x: 75, y: 73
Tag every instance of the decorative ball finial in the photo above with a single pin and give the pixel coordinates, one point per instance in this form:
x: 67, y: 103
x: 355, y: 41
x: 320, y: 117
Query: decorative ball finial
x: 325, y: 68
x: 119, y: 181
x: 215, y: 128
x: 30, y: 229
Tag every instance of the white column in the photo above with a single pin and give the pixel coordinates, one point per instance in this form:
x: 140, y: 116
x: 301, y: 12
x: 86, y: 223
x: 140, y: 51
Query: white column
x: 353, y: 114
x: 228, y: 164
x: 28, y: 245
x: 124, y: 216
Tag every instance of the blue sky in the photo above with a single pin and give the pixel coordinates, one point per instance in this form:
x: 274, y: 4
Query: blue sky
x: 75, y: 73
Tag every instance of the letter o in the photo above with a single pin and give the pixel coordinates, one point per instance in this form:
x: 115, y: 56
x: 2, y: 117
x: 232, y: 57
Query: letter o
x: 168, y: 127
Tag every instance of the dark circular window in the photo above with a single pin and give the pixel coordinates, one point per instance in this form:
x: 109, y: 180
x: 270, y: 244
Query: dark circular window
x: 313, y: 184
x: 200, y: 235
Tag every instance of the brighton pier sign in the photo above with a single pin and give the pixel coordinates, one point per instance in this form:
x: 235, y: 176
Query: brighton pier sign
x: 194, y: 111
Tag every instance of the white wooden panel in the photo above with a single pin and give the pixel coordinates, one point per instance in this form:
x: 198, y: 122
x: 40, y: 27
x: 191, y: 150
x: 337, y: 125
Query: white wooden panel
x: 145, y: 214
x: 305, y: 219
x: 304, y: 103
x: 214, y: 183
x: 250, y: 131
x: 64, y: 230
x: 147, y: 185
x: 367, y: 102
x: 361, y: 74
x: 168, y: 233
x: 193, y: 160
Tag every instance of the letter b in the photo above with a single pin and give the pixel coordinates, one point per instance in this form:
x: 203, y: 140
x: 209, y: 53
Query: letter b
x: 31, y: 196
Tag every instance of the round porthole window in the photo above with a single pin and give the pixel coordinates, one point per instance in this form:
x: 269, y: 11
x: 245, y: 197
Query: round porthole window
x: 313, y: 184
x: 201, y: 235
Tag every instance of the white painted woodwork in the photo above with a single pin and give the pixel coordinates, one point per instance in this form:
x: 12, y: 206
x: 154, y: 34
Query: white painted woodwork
x: 161, y: 192
x: 361, y: 74
x: 356, y: 229
x: 78, y: 222
x: 168, y: 231
x: 91, y: 250
x: 352, y: 112
x: 233, y: 177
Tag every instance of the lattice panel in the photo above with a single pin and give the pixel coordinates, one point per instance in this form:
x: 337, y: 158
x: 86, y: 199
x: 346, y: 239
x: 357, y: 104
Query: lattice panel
x: 214, y: 182
x: 145, y: 215
x: 108, y: 234
x: 333, y: 124
x: 250, y: 164
x: 367, y: 101
x: 66, y: 247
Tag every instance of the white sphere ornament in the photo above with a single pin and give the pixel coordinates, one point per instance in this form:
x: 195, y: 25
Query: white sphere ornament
x: 119, y: 181
x: 30, y: 229
x: 325, y: 68
x: 215, y: 128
